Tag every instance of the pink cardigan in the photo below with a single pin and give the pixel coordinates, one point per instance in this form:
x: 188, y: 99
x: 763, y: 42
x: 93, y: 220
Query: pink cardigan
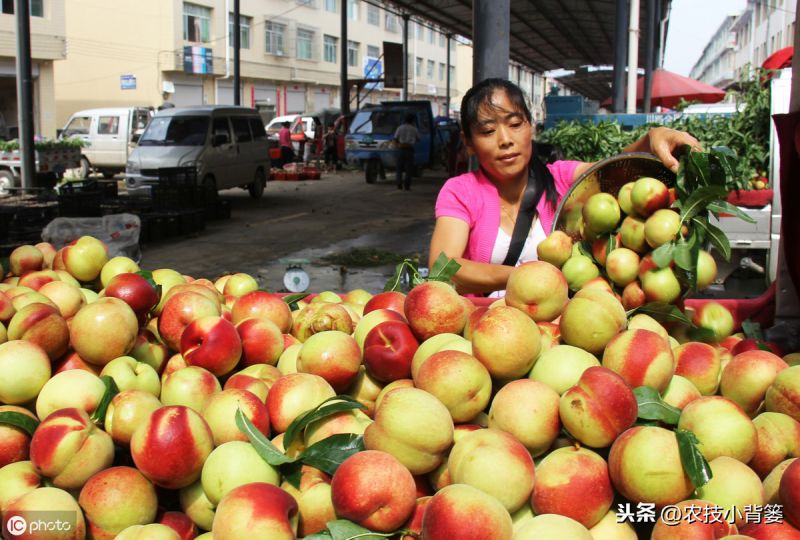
x: 473, y: 198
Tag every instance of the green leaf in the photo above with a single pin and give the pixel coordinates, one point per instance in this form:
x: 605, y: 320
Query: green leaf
x: 714, y: 235
x: 705, y: 335
x: 699, y: 199
x: 585, y: 248
x: 323, y: 535
x: 443, y: 269
x: 752, y: 330
x: 292, y: 473
x: 612, y: 243
x: 99, y: 414
x: 293, y: 299
x: 262, y: 445
x: 683, y: 257
x: 26, y: 423
x: 663, y: 254
x: 327, y: 408
x: 329, y: 453
x: 148, y: 276
x: 694, y: 463
x: 724, y: 207
x: 408, y: 267
x: 652, y: 407
x: 697, y: 170
x: 663, y: 312
x: 341, y: 529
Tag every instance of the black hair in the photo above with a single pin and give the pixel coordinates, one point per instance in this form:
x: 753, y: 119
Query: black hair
x: 479, y: 96
x: 286, y: 124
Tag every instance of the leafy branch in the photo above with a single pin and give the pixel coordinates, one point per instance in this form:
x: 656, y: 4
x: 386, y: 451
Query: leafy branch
x: 443, y: 269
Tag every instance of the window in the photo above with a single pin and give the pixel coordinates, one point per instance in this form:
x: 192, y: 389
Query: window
x: 418, y: 67
x: 441, y: 71
x: 244, y: 30
x: 330, y: 5
x: 108, y: 125
x: 330, y: 46
x: 431, y: 36
x: 307, y: 3
x: 352, y: 53
x: 452, y: 73
x: 275, y: 33
x: 36, y: 7
x: 373, y: 15
x: 373, y: 51
x: 257, y: 129
x: 352, y: 9
x: 391, y: 23
x: 431, y: 65
x: 241, y: 127
x: 442, y: 40
x: 78, y: 126
x: 196, y: 23
x: 305, y: 44
x: 452, y: 45
x: 420, y: 31
x: 221, y: 131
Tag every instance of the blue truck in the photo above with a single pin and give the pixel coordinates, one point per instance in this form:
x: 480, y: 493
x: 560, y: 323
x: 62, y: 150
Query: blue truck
x: 369, y: 141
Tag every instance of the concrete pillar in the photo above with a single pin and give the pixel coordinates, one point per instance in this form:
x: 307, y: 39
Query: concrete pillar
x: 491, y: 26
x: 620, y: 49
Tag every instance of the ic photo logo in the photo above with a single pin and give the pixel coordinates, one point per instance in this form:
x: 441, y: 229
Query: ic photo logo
x: 16, y: 525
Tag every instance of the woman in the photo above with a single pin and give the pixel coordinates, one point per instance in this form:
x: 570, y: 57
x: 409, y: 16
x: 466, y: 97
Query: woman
x: 476, y: 212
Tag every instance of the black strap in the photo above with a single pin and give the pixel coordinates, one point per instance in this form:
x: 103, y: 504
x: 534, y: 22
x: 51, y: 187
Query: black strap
x: 537, y: 172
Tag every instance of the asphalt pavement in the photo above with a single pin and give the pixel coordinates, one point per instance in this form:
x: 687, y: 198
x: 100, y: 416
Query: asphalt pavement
x: 308, y: 220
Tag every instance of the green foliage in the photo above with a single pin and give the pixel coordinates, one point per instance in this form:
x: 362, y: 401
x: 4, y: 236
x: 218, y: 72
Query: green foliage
x: 746, y: 132
x: 44, y: 144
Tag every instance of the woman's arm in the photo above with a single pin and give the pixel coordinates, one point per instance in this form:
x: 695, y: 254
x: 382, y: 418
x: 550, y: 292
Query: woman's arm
x: 450, y: 235
x: 662, y: 142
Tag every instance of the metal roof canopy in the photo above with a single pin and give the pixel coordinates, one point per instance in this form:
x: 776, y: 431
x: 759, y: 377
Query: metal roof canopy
x: 545, y: 34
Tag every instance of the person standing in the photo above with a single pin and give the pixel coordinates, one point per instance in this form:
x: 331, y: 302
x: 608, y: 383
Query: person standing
x: 406, y: 136
x: 331, y: 153
x: 285, y: 142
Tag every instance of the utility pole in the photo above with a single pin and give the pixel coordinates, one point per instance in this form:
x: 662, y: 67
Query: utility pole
x: 25, y: 92
x: 237, y: 46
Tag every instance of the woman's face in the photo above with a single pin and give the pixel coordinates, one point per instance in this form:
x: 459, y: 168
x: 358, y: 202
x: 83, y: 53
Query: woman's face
x: 501, y: 139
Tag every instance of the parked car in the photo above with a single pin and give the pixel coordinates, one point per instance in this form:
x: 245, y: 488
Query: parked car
x: 227, y: 146
x: 110, y: 134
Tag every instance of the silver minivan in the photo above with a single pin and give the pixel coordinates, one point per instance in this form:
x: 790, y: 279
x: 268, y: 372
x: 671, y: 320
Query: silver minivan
x: 227, y: 146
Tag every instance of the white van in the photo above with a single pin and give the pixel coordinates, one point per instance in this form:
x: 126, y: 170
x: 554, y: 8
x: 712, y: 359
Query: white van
x: 110, y: 135
x: 227, y: 146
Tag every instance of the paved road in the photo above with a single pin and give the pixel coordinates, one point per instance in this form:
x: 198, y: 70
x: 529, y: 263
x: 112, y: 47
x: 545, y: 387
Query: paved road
x: 307, y: 219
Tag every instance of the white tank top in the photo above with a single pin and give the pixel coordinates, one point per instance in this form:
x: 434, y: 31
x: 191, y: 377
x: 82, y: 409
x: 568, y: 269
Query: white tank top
x: 503, y: 241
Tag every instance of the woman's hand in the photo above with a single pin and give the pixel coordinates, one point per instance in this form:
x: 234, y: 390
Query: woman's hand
x: 663, y: 142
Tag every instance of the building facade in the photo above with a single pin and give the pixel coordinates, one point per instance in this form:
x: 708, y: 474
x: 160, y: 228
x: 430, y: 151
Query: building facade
x: 716, y: 65
x: 48, y: 46
x: 148, y: 52
x: 764, y: 27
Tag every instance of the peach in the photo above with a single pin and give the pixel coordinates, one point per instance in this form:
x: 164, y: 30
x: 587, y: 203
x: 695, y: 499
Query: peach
x: 579, y: 270
x: 538, y: 289
x: 496, y: 463
x: 365, y: 389
x: 372, y: 319
x: 722, y: 428
x: 393, y: 300
x: 640, y: 321
x: 641, y: 357
x: 196, y: 505
x: 130, y: 374
x: 171, y: 446
x: 104, y: 330
x: 151, y: 531
x: 73, y: 360
x: 255, y: 510
x: 573, y: 482
x: 434, y: 307
x: 784, y: 394
x: 180, y: 523
x: 116, y: 498
x: 775, y: 530
x: 211, y: 343
x: 68, y: 448
x: 622, y: 266
x: 778, y: 439
x: 262, y: 305
x: 599, y: 408
x: 24, y: 370
x: 458, y: 380
x: 17, y: 479
x: 287, y: 362
x: 333, y: 355
x: 413, y: 426
x: 555, y: 249
x: 43, y: 325
x: 734, y: 486
x: 84, y: 259
x: 36, y: 279
x: 220, y: 409
x: 25, y: 258
x: 73, y: 388
x: 461, y: 512
x: 660, y: 285
x: 374, y: 490
x: 262, y: 342
x: 30, y: 506
x: 293, y: 395
x: 116, y: 266
x: 680, y: 392
x: 136, y: 291
x: 66, y: 296
x: 703, y: 523
x: 320, y: 317
x: 389, y: 349
x: 747, y: 377
x: 551, y: 526
x: 127, y: 411
x: 314, y: 502
x: 14, y: 442
x: 772, y: 482
x: 520, y: 339
x: 233, y: 464
x: 180, y: 309
x: 648, y: 195
x: 529, y: 411
x: 148, y: 349
x: 790, y: 493
x: 640, y: 478
x: 189, y: 386
x: 611, y: 527
x: 715, y: 317
x: 439, y: 342
x: 353, y: 421
x: 591, y: 319
x: 700, y: 363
